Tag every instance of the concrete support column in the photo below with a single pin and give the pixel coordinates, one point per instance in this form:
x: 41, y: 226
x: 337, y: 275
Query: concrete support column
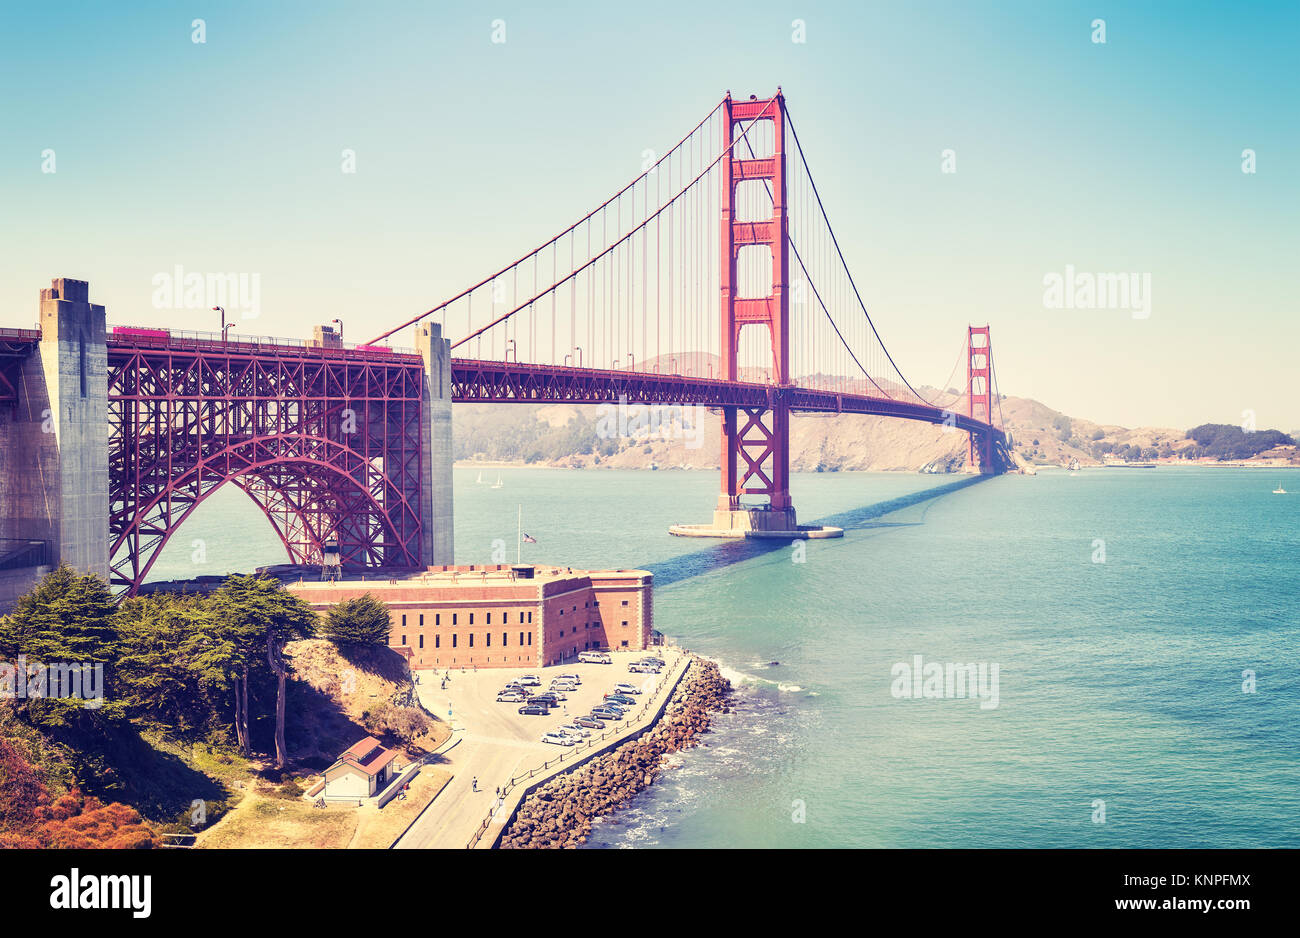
x: 437, y: 543
x: 74, y: 358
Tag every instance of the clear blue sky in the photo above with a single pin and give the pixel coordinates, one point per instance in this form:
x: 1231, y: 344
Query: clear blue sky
x: 225, y: 156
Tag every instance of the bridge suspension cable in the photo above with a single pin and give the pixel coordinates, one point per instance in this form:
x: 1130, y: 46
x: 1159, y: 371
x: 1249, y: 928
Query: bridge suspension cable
x: 532, y: 255
x: 635, y: 284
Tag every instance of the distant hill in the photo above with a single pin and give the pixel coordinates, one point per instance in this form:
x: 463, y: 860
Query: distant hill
x: 584, y: 436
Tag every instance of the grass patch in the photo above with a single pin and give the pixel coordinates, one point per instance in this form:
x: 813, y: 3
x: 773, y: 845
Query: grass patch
x: 259, y: 822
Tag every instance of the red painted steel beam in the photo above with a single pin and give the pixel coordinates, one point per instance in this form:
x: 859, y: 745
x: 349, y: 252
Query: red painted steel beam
x: 475, y: 381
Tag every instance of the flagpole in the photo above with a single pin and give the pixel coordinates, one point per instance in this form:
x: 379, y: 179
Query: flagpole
x: 519, y: 538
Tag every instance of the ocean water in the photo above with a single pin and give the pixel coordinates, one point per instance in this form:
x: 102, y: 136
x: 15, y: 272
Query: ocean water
x: 1121, y: 608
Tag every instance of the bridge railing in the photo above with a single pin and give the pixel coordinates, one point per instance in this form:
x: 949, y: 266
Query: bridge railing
x: 184, y: 338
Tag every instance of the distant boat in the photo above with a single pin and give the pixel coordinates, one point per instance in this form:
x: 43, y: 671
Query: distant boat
x: 498, y: 483
x: 1279, y: 490
x: 480, y: 477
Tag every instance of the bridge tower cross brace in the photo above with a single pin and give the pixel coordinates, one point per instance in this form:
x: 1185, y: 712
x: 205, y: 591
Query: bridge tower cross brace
x: 755, y: 455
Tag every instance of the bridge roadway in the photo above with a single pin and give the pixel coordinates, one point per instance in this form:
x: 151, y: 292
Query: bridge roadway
x: 474, y: 380
x: 477, y: 381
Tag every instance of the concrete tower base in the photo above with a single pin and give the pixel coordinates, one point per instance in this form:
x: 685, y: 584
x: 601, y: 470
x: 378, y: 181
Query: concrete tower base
x: 756, y: 522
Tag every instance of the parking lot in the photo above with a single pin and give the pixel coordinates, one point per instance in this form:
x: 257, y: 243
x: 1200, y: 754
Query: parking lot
x: 470, y: 696
x: 495, y: 742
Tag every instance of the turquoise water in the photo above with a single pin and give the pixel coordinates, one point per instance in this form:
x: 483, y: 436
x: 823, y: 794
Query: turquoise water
x: 1119, y: 681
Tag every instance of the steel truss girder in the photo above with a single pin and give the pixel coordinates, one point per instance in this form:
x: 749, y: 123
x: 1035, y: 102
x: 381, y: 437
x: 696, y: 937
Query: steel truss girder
x: 328, y: 444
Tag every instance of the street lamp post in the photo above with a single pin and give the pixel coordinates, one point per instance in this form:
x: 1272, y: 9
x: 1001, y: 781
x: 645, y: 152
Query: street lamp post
x: 340, y: 324
x: 222, y: 311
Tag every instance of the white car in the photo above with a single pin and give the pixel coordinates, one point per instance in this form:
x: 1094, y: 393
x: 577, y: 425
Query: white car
x: 571, y: 678
x: 559, y: 739
x: 563, y: 686
x: 529, y: 680
x: 570, y: 729
x: 595, y: 657
x: 511, y: 696
x: 626, y: 689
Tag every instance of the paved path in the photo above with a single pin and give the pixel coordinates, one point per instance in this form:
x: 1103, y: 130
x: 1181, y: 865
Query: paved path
x: 497, y: 743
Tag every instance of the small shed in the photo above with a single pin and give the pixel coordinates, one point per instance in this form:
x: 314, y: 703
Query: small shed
x: 363, y: 771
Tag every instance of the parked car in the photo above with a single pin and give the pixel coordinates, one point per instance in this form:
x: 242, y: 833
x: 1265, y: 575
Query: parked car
x: 541, y: 701
x: 573, y: 729
x: 511, y: 696
x: 657, y: 662
x: 590, y: 722
x: 571, y: 678
x: 595, y: 657
x: 554, y: 696
x: 619, y: 700
x: 606, y: 713
x: 534, y: 710
x: 562, y: 686
x: 638, y: 668
x: 530, y: 680
x: 625, y: 688
x: 558, y: 739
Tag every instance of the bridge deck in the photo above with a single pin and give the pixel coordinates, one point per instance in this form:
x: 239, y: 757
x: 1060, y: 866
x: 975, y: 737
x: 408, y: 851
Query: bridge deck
x: 506, y: 382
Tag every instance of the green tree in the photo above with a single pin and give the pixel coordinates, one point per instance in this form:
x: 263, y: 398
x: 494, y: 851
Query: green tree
x: 177, y: 663
x: 65, y: 623
x: 66, y: 617
x: 259, y: 613
x: 360, y: 621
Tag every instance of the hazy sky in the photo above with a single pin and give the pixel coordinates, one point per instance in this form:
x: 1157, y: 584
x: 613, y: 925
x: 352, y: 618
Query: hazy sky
x: 1117, y: 157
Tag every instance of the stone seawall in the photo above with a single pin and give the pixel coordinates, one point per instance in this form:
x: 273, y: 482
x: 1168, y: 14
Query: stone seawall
x: 560, y: 813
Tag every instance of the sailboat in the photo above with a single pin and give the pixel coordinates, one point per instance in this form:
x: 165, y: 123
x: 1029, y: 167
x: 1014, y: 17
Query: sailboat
x: 498, y: 483
x: 480, y: 477
x: 1279, y: 490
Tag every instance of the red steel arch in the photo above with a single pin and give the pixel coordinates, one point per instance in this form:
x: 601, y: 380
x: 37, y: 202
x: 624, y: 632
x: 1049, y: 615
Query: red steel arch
x: 326, y: 440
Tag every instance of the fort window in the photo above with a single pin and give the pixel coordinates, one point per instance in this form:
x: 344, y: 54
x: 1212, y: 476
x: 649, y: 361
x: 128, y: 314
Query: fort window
x: 421, y: 620
x: 437, y: 641
x: 489, y: 618
x: 421, y: 641
x: 521, y: 638
x: 489, y: 640
x: 471, y: 639
x: 453, y: 643
x: 403, y: 640
x: 437, y: 619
